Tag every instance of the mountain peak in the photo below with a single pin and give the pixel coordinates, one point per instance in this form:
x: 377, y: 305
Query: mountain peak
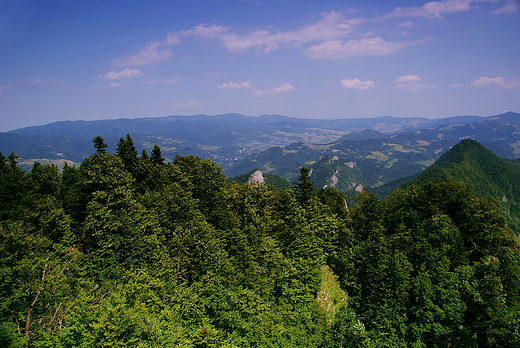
x: 466, y: 149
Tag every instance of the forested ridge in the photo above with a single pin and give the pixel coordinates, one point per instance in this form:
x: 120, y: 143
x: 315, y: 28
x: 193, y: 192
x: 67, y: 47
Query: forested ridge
x: 127, y: 250
x: 472, y: 163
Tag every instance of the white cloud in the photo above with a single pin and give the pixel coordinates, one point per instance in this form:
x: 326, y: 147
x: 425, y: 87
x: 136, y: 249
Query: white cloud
x: 235, y: 85
x: 114, y: 84
x: 405, y: 24
x: 374, y: 46
x: 284, y: 88
x: 148, y: 55
x: 412, y: 83
x: 269, y: 47
x: 455, y: 85
x: 511, y: 7
x: 328, y: 30
x: 192, y: 103
x: 5, y: 89
x: 433, y: 9
x: 124, y: 74
x: 357, y: 84
x: 497, y: 82
x: 332, y: 25
x: 172, y: 39
x: 408, y: 78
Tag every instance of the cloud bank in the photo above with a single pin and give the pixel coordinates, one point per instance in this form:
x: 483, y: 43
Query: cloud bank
x: 510, y: 7
x: 433, y: 9
x: 124, y: 74
x: 284, y: 88
x: 235, y: 85
x: 151, y: 54
x: 496, y: 82
x: 374, y: 46
x: 332, y: 25
x: 357, y: 84
x: 412, y: 83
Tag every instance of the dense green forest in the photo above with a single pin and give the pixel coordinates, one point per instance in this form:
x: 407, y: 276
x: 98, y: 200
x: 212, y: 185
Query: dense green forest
x: 127, y: 250
x: 472, y: 163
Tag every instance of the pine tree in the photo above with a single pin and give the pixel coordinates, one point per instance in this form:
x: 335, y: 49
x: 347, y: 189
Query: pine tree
x: 156, y: 156
x: 99, y: 144
x: 304, y: 188
x: 127, y: 152
x: 12, y: 160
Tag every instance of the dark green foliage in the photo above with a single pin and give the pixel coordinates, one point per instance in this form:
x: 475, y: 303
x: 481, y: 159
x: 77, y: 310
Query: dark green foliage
x: 72, y: 195
x: 156, y: 156
x: 129, y: 251
x: 13, y: 185
x: 127, y: 152
x: 334, y: 199
x: 99, y: 144
x: 446, y: 268
x: 207, y: 184
x: 304, y: 188
x: 488, y: 175
x: 144, y: 155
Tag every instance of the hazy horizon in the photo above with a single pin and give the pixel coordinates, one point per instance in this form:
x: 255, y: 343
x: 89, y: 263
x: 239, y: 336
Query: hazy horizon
x: 195, y: 115
x: 323, y: 60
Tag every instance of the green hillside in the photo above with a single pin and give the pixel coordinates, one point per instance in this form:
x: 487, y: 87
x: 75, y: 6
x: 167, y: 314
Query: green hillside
x: 364, y: 134
x: 486, y: 174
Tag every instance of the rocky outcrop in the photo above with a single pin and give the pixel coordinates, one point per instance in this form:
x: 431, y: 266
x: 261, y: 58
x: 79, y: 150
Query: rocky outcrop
x: 256, y: 178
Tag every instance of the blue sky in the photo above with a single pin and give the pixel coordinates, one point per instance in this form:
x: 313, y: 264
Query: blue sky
x: 90, y: 60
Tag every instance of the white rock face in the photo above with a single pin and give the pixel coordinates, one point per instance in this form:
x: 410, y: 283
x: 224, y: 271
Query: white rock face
x: 350, y: 164
x: 256, y: 178
x: 332, y: 159
x: 334, y: 179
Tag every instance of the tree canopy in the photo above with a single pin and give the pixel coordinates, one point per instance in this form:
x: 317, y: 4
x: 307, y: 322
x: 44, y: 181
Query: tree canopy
x: 129, y: 250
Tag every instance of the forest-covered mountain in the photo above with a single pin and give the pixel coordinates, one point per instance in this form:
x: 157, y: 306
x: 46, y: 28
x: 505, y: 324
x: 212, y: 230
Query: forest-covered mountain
x: 223, y: 138
x: 472, y: 163
x: 130, y: 250
x: 368, y: 159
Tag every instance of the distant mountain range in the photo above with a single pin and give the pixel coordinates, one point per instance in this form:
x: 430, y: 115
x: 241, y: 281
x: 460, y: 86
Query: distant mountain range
x: 225, y: 139
x: 370, y: 158
x: 346, y: 153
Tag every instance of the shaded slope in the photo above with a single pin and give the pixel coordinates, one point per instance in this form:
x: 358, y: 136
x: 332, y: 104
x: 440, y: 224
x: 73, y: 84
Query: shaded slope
x: 486, y: 173
x: 472, y: 163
